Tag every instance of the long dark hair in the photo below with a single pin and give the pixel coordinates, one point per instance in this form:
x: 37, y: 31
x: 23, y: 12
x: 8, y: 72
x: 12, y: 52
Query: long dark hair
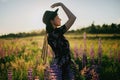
x: 49, y: 27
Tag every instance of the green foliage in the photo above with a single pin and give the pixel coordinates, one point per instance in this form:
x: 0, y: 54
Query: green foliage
x: 30, y: 50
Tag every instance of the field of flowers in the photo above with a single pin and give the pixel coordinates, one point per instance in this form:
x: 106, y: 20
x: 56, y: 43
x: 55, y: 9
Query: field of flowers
x: 95, y: 59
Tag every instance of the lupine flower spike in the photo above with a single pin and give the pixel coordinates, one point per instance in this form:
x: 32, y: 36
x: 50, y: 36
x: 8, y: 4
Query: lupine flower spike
x: 99, y: 51
x: 92, y: 54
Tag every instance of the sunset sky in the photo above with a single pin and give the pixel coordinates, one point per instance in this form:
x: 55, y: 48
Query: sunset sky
x: 26, y: 15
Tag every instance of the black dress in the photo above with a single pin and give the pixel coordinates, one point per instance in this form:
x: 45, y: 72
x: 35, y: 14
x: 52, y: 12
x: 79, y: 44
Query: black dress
x: 61, y: 48
x: 59, y: 45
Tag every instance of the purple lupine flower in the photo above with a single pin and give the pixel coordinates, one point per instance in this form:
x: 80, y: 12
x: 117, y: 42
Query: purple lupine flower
x: 53, y: 73
x: 81, y: 51
x: 9, y: 74
x: 84, y: 38
x: 84, y: 57
x: 30, y: 76
x: 99, y: 51
x: 92, y: 54
x: 76, y: 51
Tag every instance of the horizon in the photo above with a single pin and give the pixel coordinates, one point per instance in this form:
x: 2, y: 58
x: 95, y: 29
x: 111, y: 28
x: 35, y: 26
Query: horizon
x: 26, y: 15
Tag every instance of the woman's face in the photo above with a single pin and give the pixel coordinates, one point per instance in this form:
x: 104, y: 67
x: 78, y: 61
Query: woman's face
x: 56, y: 21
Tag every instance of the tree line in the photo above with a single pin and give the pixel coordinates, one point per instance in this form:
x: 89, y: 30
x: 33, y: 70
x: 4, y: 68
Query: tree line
x: 23, y: 34
x: 97, y: 29
x: 92, y: 29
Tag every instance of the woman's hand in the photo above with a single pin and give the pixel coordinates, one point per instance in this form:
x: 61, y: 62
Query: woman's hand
x: 56, y: 4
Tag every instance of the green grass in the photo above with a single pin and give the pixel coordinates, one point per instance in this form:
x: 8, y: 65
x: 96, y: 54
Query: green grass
x: 20, y: 54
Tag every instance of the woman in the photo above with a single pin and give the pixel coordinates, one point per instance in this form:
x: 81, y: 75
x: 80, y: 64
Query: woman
x: 56, y: 39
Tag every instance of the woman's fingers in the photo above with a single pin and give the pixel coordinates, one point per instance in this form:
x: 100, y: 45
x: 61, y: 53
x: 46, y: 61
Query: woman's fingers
x: 53, y: 6
x: 56, y: 5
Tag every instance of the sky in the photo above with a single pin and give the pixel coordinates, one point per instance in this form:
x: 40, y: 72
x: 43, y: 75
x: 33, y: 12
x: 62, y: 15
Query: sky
x: 26, y: 15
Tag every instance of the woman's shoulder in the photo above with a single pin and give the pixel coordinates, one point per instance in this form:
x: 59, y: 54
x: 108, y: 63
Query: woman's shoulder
x: 61, y: 30
x: 57, y: 32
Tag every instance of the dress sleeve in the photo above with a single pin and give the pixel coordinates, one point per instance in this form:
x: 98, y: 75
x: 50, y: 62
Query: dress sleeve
x: 58, y: 31
x: 61, y: 30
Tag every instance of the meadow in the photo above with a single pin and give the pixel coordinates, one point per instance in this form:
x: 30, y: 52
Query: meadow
x: 20, y: 58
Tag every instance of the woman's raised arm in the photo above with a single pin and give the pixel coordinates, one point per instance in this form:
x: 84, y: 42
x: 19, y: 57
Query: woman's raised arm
x: 70, y: 15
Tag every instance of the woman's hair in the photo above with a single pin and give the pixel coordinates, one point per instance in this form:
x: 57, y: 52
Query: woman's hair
x: 45, y: 49
x: 49, y: 27
x: 48, y: 16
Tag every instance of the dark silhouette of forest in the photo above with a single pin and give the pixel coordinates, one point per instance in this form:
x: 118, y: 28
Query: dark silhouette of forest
x: 92, y: 29
x: 97, y: 29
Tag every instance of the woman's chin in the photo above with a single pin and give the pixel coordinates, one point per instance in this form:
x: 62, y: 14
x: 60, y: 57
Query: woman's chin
x: 59, y: 25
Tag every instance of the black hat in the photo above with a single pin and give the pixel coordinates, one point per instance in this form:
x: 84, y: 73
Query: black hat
x: 48, y: 15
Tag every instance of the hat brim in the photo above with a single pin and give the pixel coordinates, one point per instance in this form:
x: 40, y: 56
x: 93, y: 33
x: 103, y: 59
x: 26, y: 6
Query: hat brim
x: 56, y: 10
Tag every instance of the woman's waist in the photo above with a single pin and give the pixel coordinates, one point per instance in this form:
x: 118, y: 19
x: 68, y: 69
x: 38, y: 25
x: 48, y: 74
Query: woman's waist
x: 62, y: 53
